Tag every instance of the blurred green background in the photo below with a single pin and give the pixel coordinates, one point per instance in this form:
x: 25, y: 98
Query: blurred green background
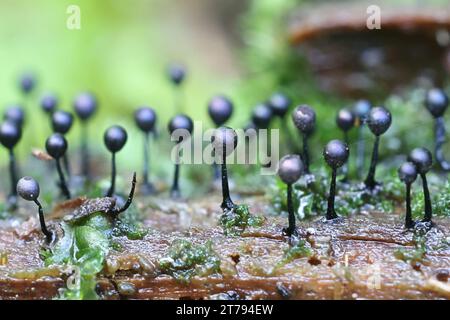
x: 121, y: 54
x: 233, y: 47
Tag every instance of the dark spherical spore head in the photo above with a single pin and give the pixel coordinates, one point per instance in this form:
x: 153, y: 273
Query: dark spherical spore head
x: 304, y: 118
x: 290, y: 168
x: 280, y: 104
x: 56, y: 145
x: 261, y: 116
x: 336, y: 153
x: 422, y: 159
x: 10, y: 134
x: 436, y: 102
x: 345, y: 119
x: 145, y: 118
x: 62, y: 121
x: 220, y: 109
x: 407, y: 172
x: 181, y: 121
x: 362, y: 109
x: 85, y: 105
x: 224, y: 137
x: 15, y: 114
x: 27, y: 82
x: 28, y: 188
x: 379, y: 120
x: 115, y: 138
x: 177, y: 73
x: 49, y: 103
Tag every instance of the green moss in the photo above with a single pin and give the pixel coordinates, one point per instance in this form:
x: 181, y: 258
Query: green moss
x: 440, y: 200
x: 85, y: 245
x: 310, y: 200
x: 129, y: 224
x: 84, y: 249
x: 185, y: 260
x: 235, y: 221
x: 98, y: 221
x: 299, y: 250
x: 131, y: 231
x: 413, y: 255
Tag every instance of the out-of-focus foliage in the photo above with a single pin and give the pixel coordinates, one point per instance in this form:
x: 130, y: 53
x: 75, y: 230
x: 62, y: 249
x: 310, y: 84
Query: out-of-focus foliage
x: 121, y: 53
x: 310, y: 199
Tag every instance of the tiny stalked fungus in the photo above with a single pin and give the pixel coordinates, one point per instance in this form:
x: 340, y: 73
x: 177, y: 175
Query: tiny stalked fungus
x: 85, y: 105
x: 408, y: 174
x: 379, y: 121
x: 304, y: 118
x: 16, y: 114
x: 56, y: 146
x: 180, y: 128
x: 114, y: 138
x: 10, y: 134
x: 224, y: 141
x: 27, y: 82
x: 336, y: 154
x: 61, y: 123
x: 361, y: 110
x: 145, y: 119
x: 261, y: 116
x: 29, y: 190
x: 345, y: 120
x: 422, y: 159
x: 290, y: 169
x: 177, y: 74
x: 437, y: 102
x: 49, y: 103
x: 220, y: 109
x: 280, y: 104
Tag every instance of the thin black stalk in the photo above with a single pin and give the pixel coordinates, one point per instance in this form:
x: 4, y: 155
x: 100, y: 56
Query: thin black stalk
x: 175, y: 190
x: 305, y: 153
x: 291, y: 218
x: 44, y: 229
x: 409, y: 223
x: 12, y: 172
x: 331, y: 213
x: 370, y: 180
x: 84, y: 151
x: 146, y: 158
x: 66, y: 165
x: 345, y: 166
x: 62, y: 180
x: 175, y: 186
x: 113, y: 176
x: 360, y: 152
x: 227, y: 202
x: 426, y: 195
x: 439, y: 142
